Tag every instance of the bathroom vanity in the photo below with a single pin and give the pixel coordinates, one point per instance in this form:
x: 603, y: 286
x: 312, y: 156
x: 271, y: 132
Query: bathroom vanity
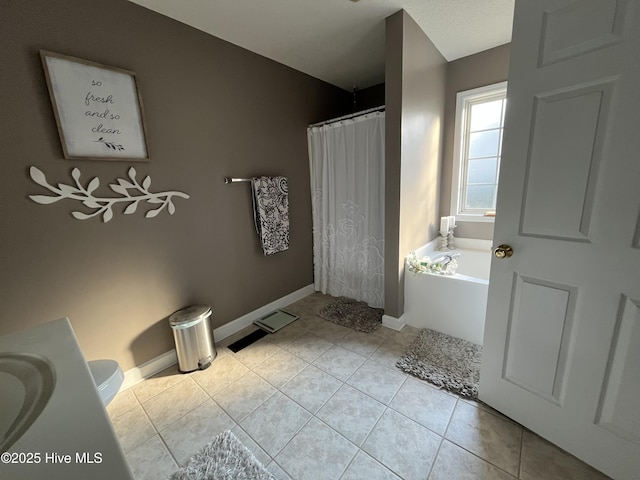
x: 52, y: 422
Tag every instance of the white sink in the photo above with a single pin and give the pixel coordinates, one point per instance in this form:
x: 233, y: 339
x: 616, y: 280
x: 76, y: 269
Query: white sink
x: 49, y: 403
x: 26, y: 384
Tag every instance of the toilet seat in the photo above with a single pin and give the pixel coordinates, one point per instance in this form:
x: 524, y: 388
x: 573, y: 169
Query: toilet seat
x: 108, y: 377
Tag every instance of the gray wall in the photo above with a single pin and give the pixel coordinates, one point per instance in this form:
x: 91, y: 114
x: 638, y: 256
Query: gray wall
x: 370, y: 97
x: 212, y: 109
x: 415, y: 91
x: 484, y: 68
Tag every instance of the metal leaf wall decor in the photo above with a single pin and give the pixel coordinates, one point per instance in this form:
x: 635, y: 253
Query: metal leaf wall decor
x: 130, y: 190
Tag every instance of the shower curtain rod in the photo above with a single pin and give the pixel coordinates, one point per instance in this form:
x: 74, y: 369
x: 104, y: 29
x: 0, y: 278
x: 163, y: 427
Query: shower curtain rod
x: 351, y: 115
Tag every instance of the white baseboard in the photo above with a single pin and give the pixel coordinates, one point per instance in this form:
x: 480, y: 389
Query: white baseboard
x: 393, y: 322
x: 167, y: 359
x: 148, y: 369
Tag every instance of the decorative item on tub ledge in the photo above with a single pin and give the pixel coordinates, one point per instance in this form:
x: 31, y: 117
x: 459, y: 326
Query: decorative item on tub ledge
x: 104, y: 205
x: 445, y: 264
x: 447, y: 224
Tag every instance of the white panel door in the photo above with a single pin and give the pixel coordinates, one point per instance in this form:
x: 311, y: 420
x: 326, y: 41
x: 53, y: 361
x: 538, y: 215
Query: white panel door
x: 562, y: 335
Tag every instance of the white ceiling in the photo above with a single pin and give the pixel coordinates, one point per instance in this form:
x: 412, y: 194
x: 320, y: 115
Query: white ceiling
x: 342, y: 41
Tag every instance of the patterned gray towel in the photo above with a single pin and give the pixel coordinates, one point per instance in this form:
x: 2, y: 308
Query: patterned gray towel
x: 271, y: 212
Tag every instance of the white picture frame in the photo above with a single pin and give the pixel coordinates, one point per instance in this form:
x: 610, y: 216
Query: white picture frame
x: 97, y: 108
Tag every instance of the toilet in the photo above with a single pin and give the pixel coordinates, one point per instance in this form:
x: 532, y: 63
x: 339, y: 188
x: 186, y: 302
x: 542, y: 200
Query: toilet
x: 108, y: 377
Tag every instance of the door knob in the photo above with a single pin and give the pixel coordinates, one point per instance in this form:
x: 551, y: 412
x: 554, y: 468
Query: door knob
x: 503, y: 251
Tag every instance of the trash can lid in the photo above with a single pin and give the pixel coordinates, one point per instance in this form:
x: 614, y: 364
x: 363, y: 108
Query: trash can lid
x: 189, y: 316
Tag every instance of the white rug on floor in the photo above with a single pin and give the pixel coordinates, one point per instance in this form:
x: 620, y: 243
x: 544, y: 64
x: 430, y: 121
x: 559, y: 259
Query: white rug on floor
x: 224, y: 458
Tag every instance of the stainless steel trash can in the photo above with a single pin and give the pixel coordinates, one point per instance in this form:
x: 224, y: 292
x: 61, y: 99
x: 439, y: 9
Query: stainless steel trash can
x: 192, y: 333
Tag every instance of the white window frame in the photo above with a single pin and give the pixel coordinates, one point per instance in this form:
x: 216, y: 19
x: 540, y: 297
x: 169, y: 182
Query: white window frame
x: 463, y: 100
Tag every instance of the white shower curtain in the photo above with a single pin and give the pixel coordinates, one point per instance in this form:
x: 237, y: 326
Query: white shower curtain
x: 347, y: 188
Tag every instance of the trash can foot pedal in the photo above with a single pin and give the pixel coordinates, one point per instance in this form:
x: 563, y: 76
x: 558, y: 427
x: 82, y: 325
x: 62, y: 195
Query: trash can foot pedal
x: 206, y: 363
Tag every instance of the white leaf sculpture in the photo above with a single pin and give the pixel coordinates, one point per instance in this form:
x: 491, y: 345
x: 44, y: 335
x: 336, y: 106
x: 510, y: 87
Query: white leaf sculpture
x: 131, y: 208
x: 119, y: 189
x: 104, y: 205
x: 93, y: 185
x: 44, y: 199
x: 80, y: 215
x: 152, y: 213
x: 38, y: 176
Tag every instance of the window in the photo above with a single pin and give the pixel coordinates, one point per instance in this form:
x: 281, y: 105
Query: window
x: 478, y: 147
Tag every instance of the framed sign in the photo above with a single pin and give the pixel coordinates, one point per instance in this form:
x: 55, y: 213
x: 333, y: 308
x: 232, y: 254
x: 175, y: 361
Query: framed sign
x: 98, y: 109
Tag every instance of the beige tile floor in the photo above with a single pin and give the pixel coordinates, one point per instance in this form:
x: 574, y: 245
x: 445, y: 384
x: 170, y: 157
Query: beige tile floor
x: 320, y: 401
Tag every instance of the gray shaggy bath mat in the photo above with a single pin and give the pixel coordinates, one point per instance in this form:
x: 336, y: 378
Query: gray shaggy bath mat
x: 447, y: 362
x: 225, y: 458
x: 353, y: 314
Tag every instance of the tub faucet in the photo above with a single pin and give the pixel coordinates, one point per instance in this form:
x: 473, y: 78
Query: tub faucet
x: 445, y: 259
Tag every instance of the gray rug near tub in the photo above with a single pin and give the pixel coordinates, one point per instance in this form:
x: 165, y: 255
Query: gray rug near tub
x: 225, y: 458
x: 353, y: 314
x: 447, y: 362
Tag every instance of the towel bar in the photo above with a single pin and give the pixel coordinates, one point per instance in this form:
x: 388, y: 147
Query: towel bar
x: 235, y: 180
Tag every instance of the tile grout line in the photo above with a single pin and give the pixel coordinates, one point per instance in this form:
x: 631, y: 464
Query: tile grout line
x: 480, y: 405
x: 184, y: 414
x: 369, y: 395
x: 273, y: 460
x: 365, y: 453
x: 395, y: 394
x: 272, y: 457
x: 161, y: 391
x: 155, y: 434
x: 488, y: 462
x: 369, y: 434
x: 253, y: 410
x: 435, y: 458
x: 145, y: 439
x: 302, y: 406
x: 137, y: 403
x: 349, y: 464
x: 485, y: 460
x: 175, y: 460
x: 341, y: 436
x: 237, y: 425
x: 288, y: 442
x: 371, y: 431
x: 453, y: 411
